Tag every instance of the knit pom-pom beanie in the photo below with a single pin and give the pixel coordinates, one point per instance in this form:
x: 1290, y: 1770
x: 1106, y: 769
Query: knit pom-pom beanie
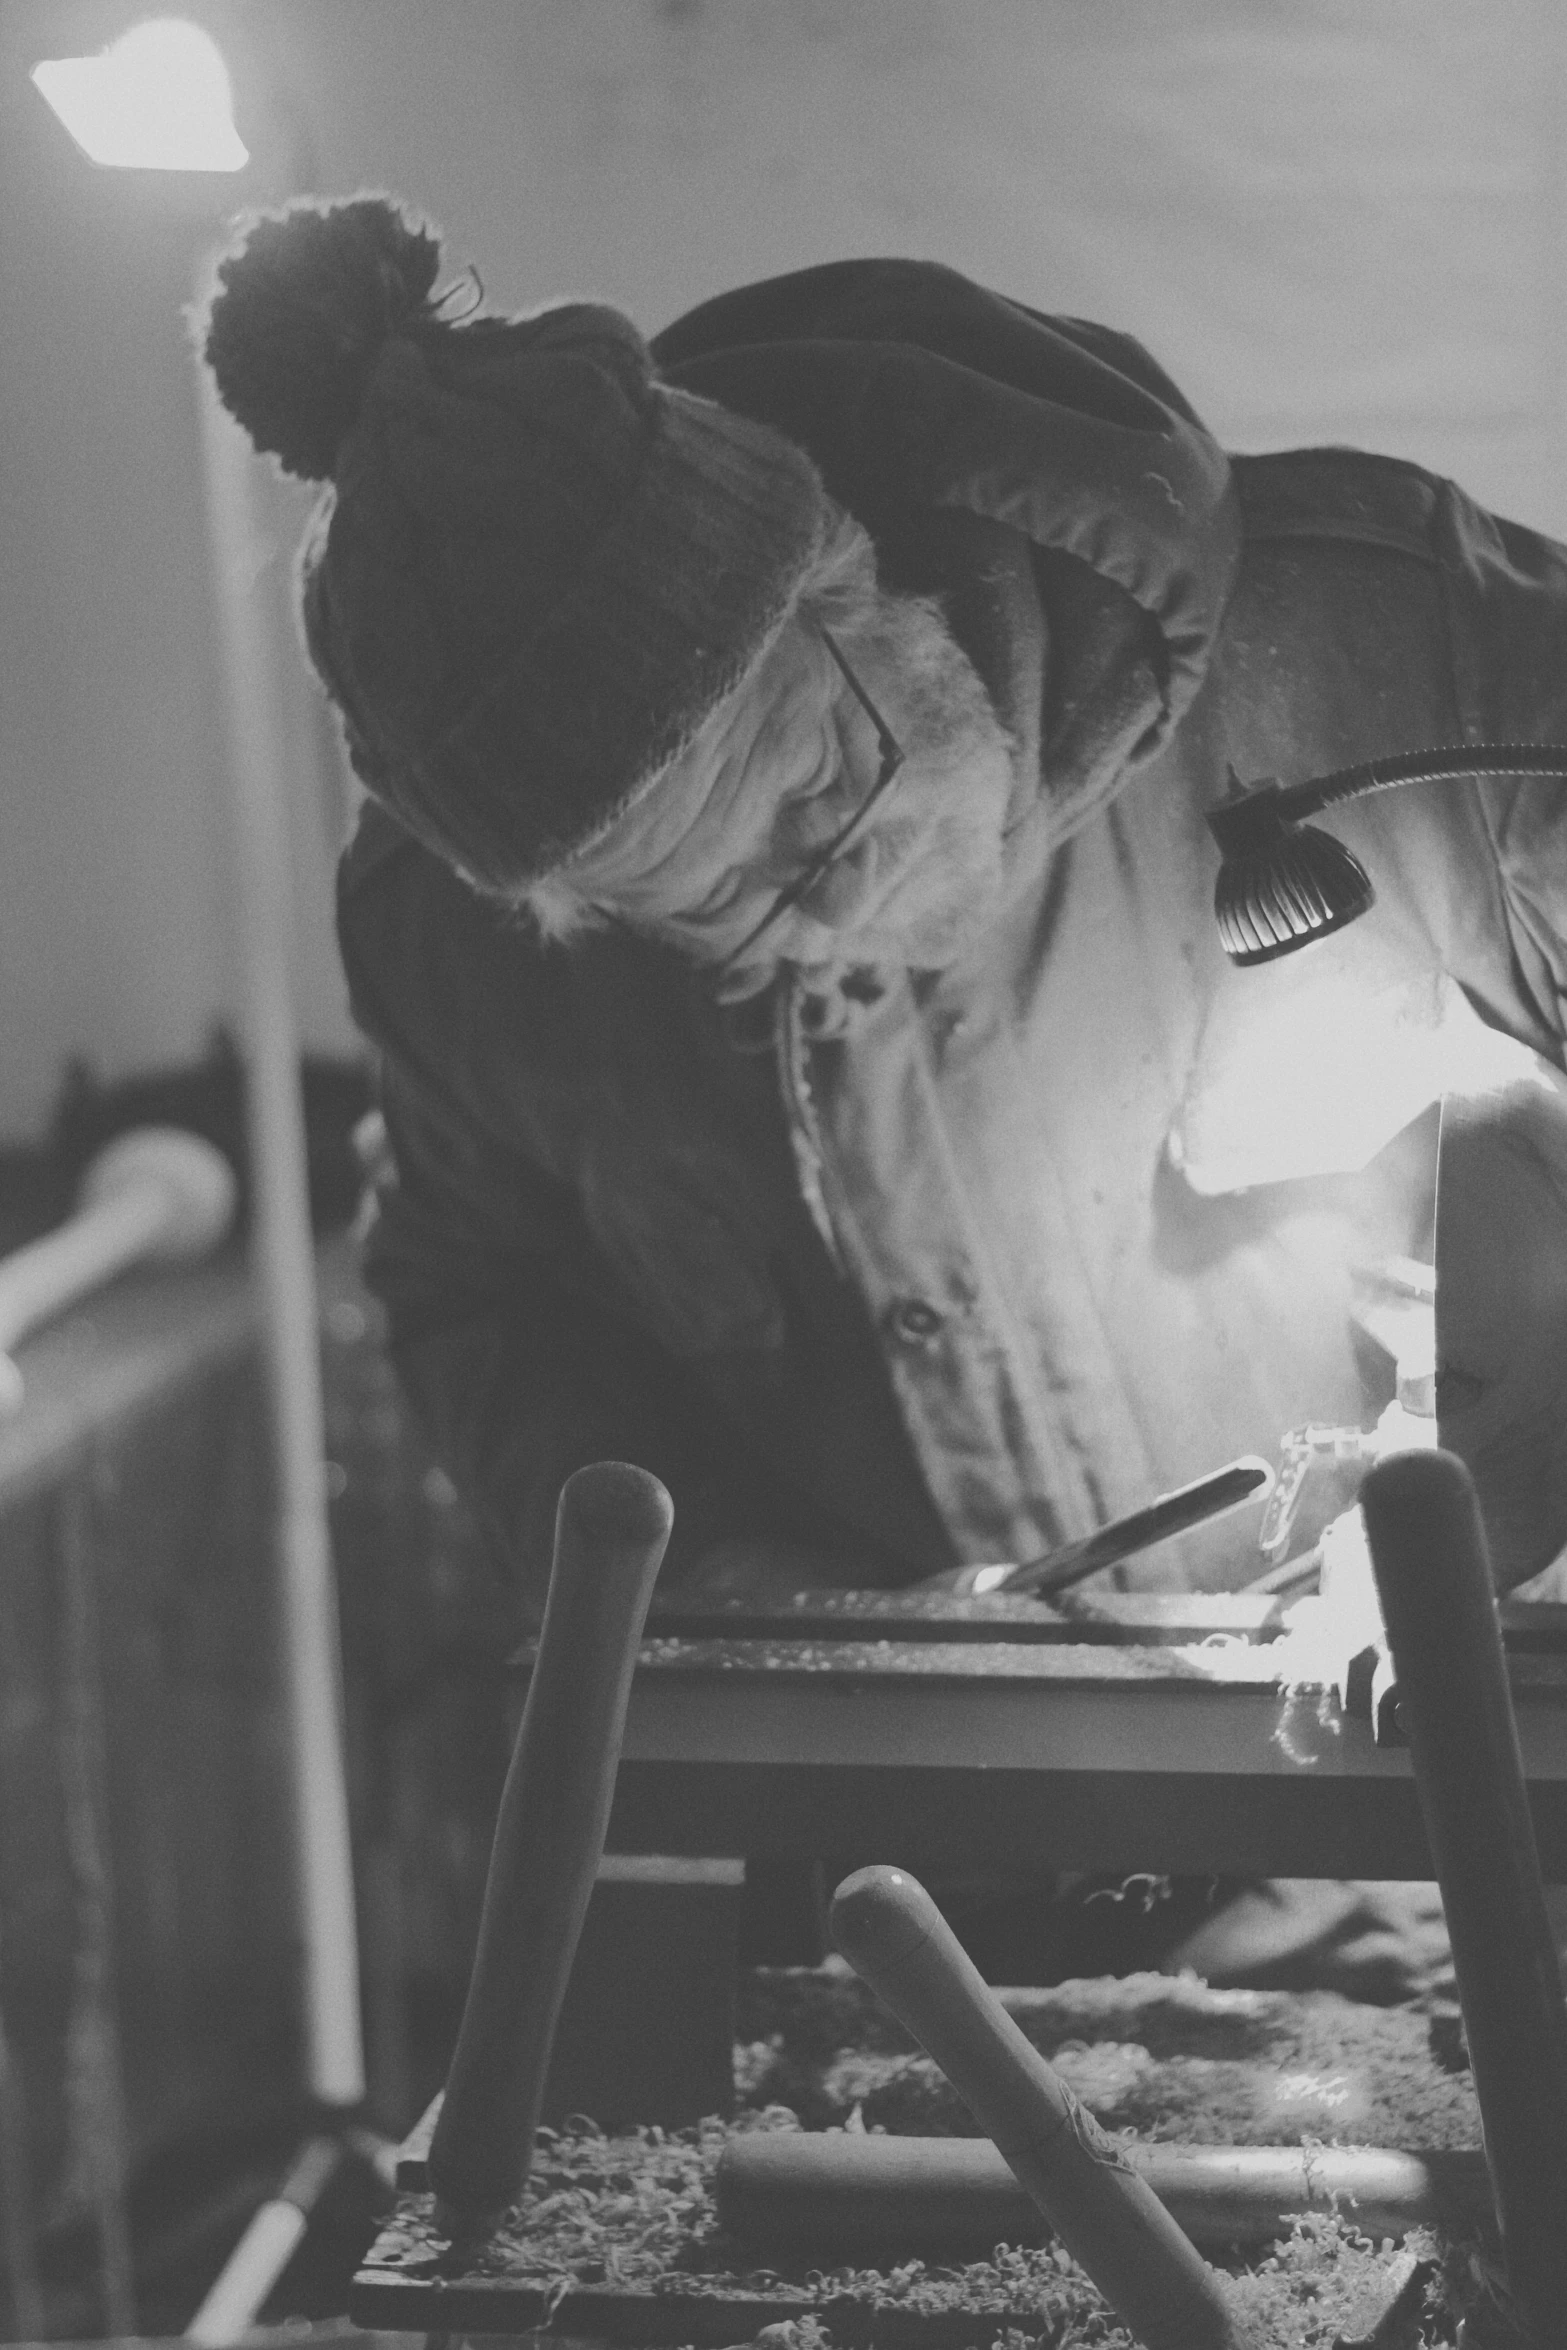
x: 536, y: 568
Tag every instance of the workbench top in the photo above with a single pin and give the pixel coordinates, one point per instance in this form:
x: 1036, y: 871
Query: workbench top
x: 1179, y: 1734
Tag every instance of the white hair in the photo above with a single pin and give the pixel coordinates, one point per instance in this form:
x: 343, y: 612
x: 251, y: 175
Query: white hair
x: 839, y: 590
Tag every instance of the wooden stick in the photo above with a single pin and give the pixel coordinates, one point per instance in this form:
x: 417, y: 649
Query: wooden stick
x: 1433, y: 1576
x: 610, y: 1532
x: 156, y: 1192
x: 1109, y: 2219
x: 233, y: 2302
x: 866, y: 2198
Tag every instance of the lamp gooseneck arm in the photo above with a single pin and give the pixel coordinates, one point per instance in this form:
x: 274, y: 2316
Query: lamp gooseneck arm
x: 1287, y: 803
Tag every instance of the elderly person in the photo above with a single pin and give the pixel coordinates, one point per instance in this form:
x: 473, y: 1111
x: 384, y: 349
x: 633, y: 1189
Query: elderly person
x: 783, y: 898
x: 783, y: 904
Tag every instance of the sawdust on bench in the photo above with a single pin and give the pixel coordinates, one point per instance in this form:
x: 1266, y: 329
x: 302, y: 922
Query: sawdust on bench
x: 1158, y: 2056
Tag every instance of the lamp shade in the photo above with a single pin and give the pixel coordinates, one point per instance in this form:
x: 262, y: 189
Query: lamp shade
x: 1288, y: 884
x: 1281, y: 884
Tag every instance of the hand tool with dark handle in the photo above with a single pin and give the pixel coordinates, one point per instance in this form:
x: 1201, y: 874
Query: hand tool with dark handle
x: 1247, y: 1479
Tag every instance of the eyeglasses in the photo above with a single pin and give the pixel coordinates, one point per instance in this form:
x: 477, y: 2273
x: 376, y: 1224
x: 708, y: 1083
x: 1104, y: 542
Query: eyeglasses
x: 891, y: 760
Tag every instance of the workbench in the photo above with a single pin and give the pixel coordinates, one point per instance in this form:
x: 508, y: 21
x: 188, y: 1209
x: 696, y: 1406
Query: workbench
x: 1123, y: 1732
x: 1173, y: 1734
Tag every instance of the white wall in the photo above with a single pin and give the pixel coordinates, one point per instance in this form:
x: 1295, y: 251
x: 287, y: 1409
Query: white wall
x: 1332, y: 219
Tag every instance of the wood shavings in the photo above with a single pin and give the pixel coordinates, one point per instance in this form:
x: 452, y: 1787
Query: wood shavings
x: 634, y: 2215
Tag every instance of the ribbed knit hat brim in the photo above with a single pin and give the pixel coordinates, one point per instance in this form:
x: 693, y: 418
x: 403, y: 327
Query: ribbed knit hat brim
x: 533, y: 585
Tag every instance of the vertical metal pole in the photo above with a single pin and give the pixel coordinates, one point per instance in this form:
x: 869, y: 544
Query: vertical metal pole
x: 1434, y: 1580
x: 284, y: 1261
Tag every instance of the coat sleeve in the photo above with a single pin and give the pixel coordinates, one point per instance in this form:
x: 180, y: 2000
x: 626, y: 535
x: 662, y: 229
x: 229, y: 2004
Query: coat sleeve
x: 509, y: 1344
x: 1506, y: 591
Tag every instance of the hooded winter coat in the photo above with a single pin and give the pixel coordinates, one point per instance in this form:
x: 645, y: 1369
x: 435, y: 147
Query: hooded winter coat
x: 1080, y: 1218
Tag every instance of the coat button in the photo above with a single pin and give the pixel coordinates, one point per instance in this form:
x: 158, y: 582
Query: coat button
x: 914, y: 1321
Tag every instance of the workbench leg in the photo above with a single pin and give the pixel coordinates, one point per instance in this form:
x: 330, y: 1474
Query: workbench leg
x: 647, y: 2030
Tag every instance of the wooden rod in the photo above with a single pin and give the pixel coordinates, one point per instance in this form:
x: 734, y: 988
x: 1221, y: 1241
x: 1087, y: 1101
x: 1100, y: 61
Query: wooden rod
x: 1433, y: 1575
x: 868, y: 2198
x: 154, y: 1192
x: 611, y: 1529
x: 1109, y: 2219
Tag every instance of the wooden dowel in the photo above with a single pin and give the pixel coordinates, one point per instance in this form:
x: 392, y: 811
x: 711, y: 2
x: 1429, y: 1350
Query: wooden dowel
x: 50, y: 1273
x: 233, y: 2302
x: 611, y: 1529
x: 156, y: 1192
x: 865, y: 2198
x: 1109, y: 2219
x: 1433, y: 1576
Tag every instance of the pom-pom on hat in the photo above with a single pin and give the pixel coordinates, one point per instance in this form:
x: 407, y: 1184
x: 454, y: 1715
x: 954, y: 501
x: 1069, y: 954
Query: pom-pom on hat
x: 537, y: 568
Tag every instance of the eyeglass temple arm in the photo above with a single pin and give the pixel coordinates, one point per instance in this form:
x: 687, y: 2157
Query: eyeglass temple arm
x: 886, y: 741
x: 891, y: 752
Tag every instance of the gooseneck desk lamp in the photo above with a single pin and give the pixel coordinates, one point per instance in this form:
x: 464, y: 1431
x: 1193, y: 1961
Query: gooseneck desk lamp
x: 1283, y: 883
